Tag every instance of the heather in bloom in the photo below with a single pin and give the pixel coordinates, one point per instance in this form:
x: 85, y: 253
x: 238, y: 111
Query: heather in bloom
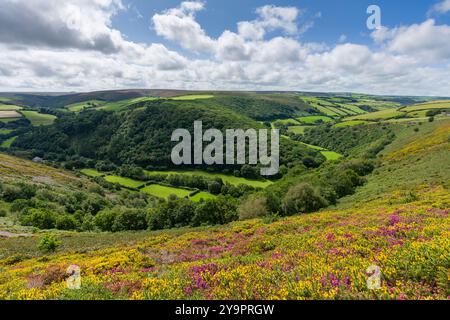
x: 319, y: 256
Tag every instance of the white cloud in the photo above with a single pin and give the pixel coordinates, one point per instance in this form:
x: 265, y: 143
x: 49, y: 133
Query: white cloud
x: 426, y: 41
x: 67, y: 51
x: 342, y: 38
x: 270, y: 18
x: 440, y: 8
x: 179, y: 25
x: 77, y: 24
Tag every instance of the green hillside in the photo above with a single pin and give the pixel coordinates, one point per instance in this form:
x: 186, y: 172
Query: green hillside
x: 397, y: 220
x: 141, y: 137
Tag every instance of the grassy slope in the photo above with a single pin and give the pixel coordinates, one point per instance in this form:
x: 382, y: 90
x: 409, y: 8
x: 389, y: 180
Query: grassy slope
x: 77, y: 107
x: 7, y: 143
x: 126, y: 182
x: 39, y: 119
x: 165, y: 191
x: 350, y: 123
x: 16, y: 168
x: 225, y: 178
x: 9, y: 107
x: 318, y: 256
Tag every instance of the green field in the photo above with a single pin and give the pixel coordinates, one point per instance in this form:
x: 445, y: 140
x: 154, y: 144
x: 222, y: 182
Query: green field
x: 327, y: 111
x: 9, y: 107
x: 379, y: 115
x: 341, y: 111
x: 311, y: 146
x: 331, y: 155
x: 350, y: 123
x: 164, y: 191
x: 91, y: 173
x: 378, y: 105
x: 39, y: 119
x: 286, y: 122
x: 77, y: 107
x: 225, y: 178
x: 7, y: 143
x: 408, y: 120
x: 428, y: 106
x: 125, y: 182
x: 119, y: 105
x: 297, y: 129
x: 314, y: 119
x: 354, y: 109
x: 6, y: 120
x: 202, y: 195
x: 193, y: 97
x: 5, y: 131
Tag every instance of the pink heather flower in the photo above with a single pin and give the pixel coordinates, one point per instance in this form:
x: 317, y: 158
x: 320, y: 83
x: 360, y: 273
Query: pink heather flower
x: 216, y: 249
x: 331, y: 237
x: 394, y: 219
x: 277, y: 255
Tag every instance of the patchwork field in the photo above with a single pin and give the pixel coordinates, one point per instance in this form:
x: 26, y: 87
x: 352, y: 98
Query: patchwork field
x: 428, y: 106
x: 297, y: 129
x: 193, y: 97
x: 165, y: 191
x: 286, y: 122
x: 331, y: 155
x: 350, y: 123
x: 225, y: 178
x: 39, y: 119
x: 5, y: 131
x: 123, y: 104
x: 125, y: 182
x: 9, y: 114
x: 77, y: 107
x: 9, y: 107
x: 314, y: 119
x: 92, y: 173
x: 202, y: 196
x: 379, y: 115
x: 7, y: 143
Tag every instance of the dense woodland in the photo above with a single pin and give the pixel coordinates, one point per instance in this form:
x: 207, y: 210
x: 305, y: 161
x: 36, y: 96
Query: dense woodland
x: 142, y: 137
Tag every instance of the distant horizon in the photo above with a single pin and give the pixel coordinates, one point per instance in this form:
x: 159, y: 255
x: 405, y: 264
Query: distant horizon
x: 211, y: 91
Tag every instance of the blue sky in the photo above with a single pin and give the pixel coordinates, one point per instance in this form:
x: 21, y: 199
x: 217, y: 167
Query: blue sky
x: 307, y: 45
x: 337, y: 17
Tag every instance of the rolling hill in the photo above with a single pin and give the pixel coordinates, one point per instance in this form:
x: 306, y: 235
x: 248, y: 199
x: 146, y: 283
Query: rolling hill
x: 398, y: 221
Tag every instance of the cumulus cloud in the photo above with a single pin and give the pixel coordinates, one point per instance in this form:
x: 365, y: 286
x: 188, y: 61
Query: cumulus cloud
x: 179, y: 25
x: 80, y: 24
x: 55, y: 48
x: 270, y: 18
x: 440, y: 8
x: 426, y: 41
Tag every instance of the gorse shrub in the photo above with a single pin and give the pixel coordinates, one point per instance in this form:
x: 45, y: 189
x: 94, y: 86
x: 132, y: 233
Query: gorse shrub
x: 49, y: 243
x: 254, y: 206
x: 40, y: 218
x: 303, y: 198
x: 66, y: 222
